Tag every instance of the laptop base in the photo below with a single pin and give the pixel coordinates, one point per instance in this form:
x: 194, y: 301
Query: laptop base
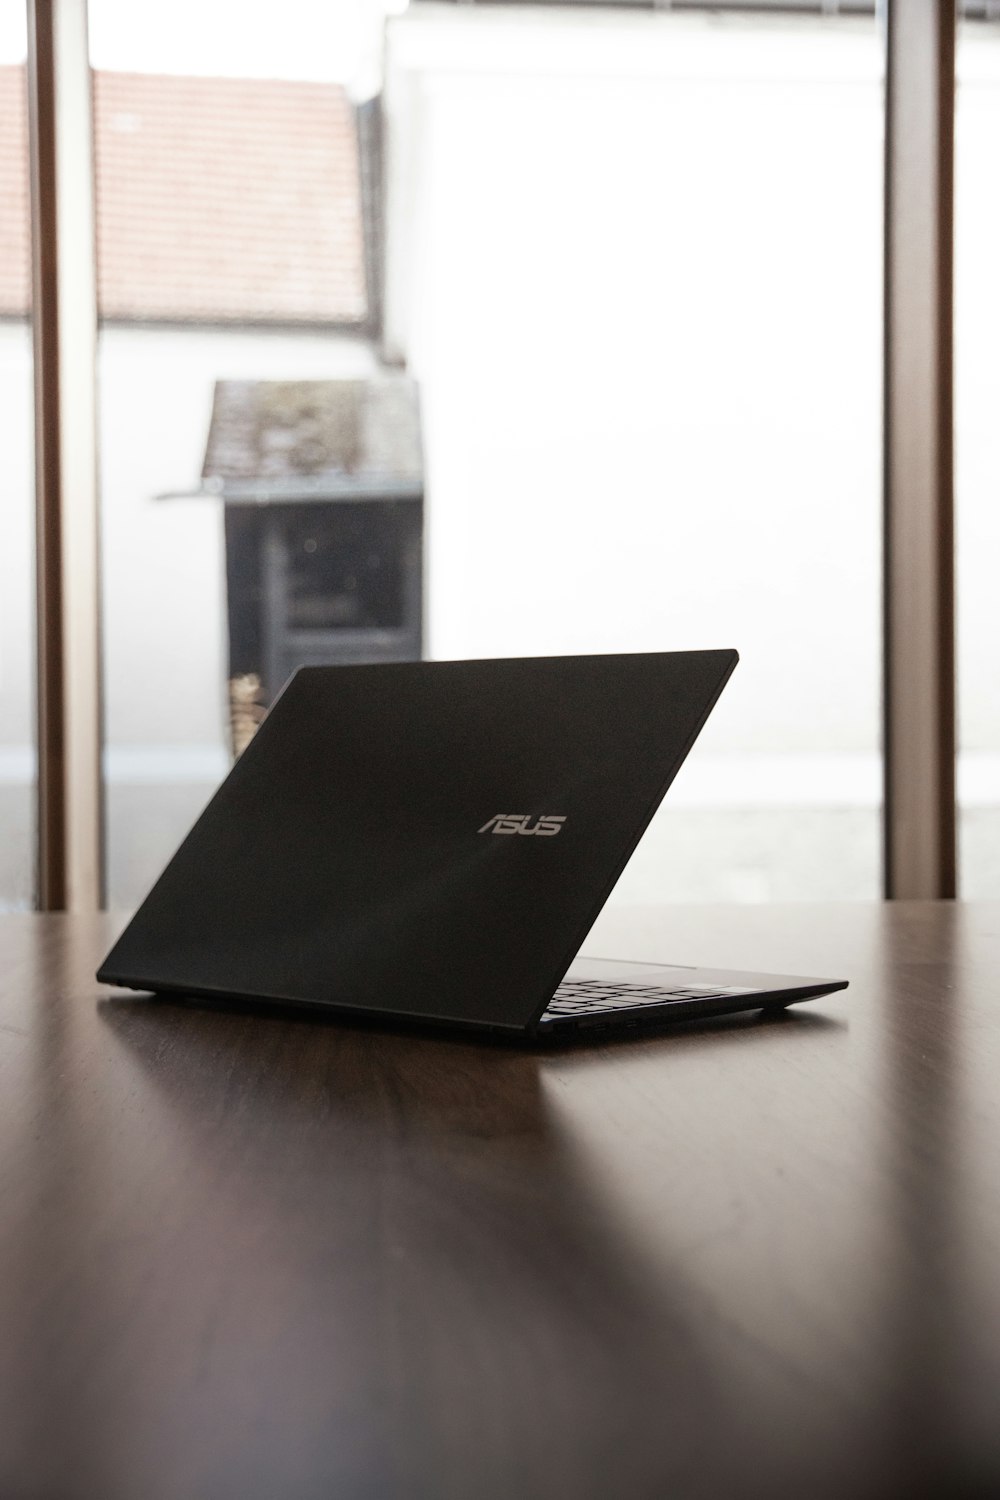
x: 613, y: 995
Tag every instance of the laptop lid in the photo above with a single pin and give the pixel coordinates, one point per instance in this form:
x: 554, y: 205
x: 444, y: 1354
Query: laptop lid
x: 422, y: 839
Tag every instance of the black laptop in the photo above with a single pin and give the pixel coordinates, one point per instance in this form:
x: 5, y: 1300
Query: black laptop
x: 432, y: 841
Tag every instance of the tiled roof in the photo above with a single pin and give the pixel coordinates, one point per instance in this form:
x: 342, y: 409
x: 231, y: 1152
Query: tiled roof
x: 219, y: 200
x: 15, y: 269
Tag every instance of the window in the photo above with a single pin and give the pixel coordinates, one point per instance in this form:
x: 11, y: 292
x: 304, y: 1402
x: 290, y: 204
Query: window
x: 639, y: 319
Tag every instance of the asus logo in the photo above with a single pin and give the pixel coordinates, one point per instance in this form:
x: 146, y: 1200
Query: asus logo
x: 546, y: 828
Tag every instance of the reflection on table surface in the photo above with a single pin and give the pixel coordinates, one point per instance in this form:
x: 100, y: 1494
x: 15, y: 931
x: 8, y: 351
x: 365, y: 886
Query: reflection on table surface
x: 257, y: 1254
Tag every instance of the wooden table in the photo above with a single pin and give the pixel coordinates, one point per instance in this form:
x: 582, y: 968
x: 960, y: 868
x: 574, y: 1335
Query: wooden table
x: 256, y: 1255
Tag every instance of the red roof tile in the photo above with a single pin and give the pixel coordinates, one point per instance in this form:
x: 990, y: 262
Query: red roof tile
x: 15, y: 265
x: 219, y: 200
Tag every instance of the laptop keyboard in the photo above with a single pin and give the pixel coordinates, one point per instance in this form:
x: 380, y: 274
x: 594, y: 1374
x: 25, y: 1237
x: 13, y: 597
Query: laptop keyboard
x: 577, y: 997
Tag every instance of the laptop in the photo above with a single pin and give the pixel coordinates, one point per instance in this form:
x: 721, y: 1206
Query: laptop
x: 432, y: 841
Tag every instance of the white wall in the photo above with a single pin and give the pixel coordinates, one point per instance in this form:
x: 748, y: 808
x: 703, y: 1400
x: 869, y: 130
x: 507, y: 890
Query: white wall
x: 635, y: 264
x: 17, y: 626
x: 17, y: 541
x: 977, y: 393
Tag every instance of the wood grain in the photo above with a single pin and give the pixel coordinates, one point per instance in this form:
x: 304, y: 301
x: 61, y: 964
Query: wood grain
x: 263, y: 1255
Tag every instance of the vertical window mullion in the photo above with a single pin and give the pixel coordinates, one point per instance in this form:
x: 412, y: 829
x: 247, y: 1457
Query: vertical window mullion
x: 919, y: 609
x: 64, y: 314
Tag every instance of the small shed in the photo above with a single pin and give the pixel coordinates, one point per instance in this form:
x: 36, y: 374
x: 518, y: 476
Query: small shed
x: 322, y: 482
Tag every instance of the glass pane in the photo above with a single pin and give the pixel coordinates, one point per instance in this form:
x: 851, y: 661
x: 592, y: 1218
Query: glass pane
x: 576, y: 267
x: 237, y: 370
x: 977, y: 448
x: 17, y: 564
x: 633, y: 261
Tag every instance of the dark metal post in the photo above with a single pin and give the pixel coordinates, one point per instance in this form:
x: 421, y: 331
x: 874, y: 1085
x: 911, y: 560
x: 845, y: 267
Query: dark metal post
x: 64, y: 312
x: 919, y: 681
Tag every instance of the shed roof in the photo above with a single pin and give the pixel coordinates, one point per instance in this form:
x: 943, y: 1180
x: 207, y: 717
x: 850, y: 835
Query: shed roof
x: 272, y: 439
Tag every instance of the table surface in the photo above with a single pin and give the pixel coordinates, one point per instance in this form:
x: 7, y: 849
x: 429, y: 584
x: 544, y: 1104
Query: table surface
x: 263, y: 1255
